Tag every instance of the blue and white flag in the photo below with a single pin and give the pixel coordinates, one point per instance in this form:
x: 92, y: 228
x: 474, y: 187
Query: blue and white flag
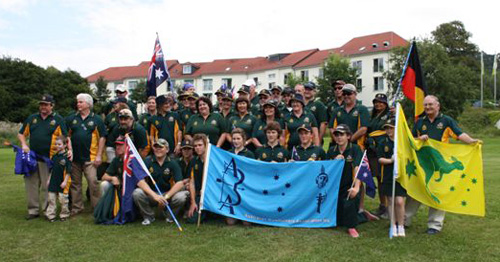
x: 157, y: 71
x: 294, y: 194
x: 365, y: 175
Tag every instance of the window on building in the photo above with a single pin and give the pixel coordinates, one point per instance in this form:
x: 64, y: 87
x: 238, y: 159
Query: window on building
x: 207, y: 84
x: 285, y: 78
x: 271, y: 76
x: 321, y: 73
x: 209, y: 95
x: 304, y: 75
x: 271, y: 84
x: 359, y: 84
x: 358, y: 65
x: 378, y: 84
x: 228, y: 82
x: 256, y: 80
x: 132, y: 85
x: 378, y: 65
x: 187, y: 69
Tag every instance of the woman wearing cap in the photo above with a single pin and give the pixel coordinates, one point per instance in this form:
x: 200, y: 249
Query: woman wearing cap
x: 206, y: 122
x: 348, y: 198
x: 385, y: 154
x: 297, y: 118
x: 243, y: 120
x: 380, y: 114
x: 264, y: 96
x: 272, y: 151
x: 269, y: 114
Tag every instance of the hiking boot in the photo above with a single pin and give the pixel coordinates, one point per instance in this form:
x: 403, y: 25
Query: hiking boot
x: 353, y: 232
x: 147, y: 221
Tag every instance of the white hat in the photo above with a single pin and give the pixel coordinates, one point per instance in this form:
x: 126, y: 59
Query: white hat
x: 120, y: 88
x: 249, y: 82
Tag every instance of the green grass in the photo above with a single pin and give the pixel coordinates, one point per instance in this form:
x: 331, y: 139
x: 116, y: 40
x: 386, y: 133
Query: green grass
x: 464, y: 238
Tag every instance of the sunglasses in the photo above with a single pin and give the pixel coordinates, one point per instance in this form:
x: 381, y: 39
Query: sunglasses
x: 347, y: 94
x: 338, y: 88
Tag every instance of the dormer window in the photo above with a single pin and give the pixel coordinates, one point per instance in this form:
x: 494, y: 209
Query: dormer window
x: 386, y: 43
x: 187, y: 69
x: 374, y: 45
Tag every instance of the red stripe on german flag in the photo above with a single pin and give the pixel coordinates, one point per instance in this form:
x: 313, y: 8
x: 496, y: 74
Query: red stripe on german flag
x: 413, y: 82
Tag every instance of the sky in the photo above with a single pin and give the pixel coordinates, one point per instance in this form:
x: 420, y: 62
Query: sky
x: 91, y: 35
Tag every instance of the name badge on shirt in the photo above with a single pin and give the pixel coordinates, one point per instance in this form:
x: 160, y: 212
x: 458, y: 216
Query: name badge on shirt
x: 355, y: 113
x: 440, y: 125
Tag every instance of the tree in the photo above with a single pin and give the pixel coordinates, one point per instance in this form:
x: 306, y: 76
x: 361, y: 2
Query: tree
x: 138, y: 94
x: 101, y: 94
x: 292, y: 80
x: 336, y: 67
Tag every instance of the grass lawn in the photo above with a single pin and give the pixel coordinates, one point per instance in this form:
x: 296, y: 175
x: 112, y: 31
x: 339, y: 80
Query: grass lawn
x: 464, y: 238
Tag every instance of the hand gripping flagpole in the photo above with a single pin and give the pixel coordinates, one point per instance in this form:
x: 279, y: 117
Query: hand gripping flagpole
x: 205, y: 169
x: 143, y: 166
x: 395, y: 172
x: 357, y: 172
x: 403, y: 73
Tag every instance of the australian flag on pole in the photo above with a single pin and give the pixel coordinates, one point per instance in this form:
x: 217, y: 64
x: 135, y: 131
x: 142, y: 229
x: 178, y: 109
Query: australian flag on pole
x: 133, y: 172
x: 365, y: 175
x: 157, y: 71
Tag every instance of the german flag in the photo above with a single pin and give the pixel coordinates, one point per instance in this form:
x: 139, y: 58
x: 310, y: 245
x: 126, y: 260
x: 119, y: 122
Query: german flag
x: 413, y: 81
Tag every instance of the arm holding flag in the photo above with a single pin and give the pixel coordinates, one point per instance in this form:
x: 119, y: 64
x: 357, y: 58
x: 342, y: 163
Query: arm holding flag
x: 162, y: 201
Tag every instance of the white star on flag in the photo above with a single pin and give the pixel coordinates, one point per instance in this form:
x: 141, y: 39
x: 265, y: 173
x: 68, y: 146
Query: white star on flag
x: 365, y: 175
x: 159, y: 73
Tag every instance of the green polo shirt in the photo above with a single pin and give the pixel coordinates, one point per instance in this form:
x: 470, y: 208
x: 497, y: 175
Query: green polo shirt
x: 213, y: 126
x: 260, y: 125
x: 246, y: 123
x: 385, y: 149
x: 269, y: 154
x: 376, y: 129
x: 110, y: 121
x: 313, y: 152
x: 318, y: 109
x: 42, y: 133
x: 166, y: 126
x: 227, y: 146
x: 137, y: 135
x: 442, y: 128
x: 185, y: 115
x: 331, y: 107
x: 85, y: 135
x: 131, y: 105
x: 356, y: 118
x: 284, y: 111
x: 197, y: 173
x: 115, y: 168
x: 185, y: 167
x: 292, y: 122
x: 352, y: 156
x: 61, y: 166
x: 245, y: 152
x: 255, y: 100
x: 163, y: 174
x: 145, y: 120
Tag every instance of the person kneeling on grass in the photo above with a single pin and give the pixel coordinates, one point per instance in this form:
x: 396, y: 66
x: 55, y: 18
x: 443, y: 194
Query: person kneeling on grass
x: 348, y: 198
x: 163, y: 169
x: 385, y: 151
x: 114, y: 173
x: 59, y: 182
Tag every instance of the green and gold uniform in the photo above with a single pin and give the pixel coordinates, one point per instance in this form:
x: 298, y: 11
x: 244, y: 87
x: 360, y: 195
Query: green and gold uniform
x: 85, y: 135
x: 246, y: 123
x: 42, y: 133
x: 314, y: 153
x: 131, y: 105
x: 355, y: 119
x: 292, y: 122
x: 197, y: 173
x: 226, y: 145
x: 385, y: 149
x: 185, y: 115
x: 376, y: 129
x: 331, y: 107
x: 213, y: 126
x: 441, y: 129
x: 166, y: 126
x: 110, y: 121
x: 165, y: 175
x: 268, y: 154
x: 185, y: 167
x: 245, y: 152
x: 137, y: 134
x: 115, y: 168
x: 318, y: 109
x: 260, y: 133
x: 60, y: 168
x: 347, y: 209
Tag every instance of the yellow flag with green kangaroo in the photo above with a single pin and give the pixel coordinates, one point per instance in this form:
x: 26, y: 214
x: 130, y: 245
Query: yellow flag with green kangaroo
x: 441, y: 175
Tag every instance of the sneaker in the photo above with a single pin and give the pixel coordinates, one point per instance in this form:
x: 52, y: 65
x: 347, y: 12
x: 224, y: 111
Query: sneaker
x: 432, y: 231
x: 353, y: 233
x: 395, y: 232
x: 385, y: 215
x: 401, y: 231
x: 52, y: 220
x: 370, y: 216
x: 147, y: 221
x: 169, y: 220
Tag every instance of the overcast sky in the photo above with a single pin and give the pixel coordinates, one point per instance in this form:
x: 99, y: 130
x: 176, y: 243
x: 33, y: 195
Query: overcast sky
x: 92, y: 35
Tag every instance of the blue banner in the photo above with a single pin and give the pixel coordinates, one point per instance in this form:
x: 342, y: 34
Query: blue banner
x: 294, y: 194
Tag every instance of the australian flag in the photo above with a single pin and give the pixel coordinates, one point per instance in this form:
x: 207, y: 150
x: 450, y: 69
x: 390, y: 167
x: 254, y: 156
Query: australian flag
x: 365, y: 175
x: 133, y: 172
x: 295, y: 155
x: 157, y: 71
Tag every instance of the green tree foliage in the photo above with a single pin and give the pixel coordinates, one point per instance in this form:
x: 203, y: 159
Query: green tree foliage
x: 101, y: 94
x: 455, y: 39
x: 138, y: 94
x: 23, y: 83
x: 292, y: 80
x: 336, y: 67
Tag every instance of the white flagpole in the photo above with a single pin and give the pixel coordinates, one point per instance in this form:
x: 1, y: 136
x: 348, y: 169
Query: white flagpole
x: 205, y: 171
x: 495, y: 79
x: 395, y: 171
x: 482, y: 73
x: 357, y: 172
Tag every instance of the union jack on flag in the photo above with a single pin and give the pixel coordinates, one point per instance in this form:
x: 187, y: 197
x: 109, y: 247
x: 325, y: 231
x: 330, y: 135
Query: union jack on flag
x: 365, y: 175
x: 157, y: 71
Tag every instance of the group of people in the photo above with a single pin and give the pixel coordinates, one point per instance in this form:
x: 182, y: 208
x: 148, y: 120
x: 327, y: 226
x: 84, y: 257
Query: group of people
x: 172, y: 136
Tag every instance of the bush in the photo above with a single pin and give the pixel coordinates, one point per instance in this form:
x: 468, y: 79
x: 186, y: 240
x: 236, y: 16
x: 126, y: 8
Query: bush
x: 479, y: 122
x: 8, y: 132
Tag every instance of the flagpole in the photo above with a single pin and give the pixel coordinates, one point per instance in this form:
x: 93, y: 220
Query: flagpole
x: 395, y: 172
x: 495, y: 80
x: 403, y: 73
x: 205, y: 171
x: 143, y: 166
x: 482, y: 74
x: 357, y: 172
